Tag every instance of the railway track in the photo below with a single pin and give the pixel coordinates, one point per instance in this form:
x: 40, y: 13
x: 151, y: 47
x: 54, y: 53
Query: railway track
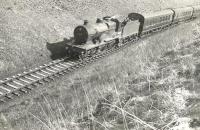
x: 13, y: 87
x: 20, y: 84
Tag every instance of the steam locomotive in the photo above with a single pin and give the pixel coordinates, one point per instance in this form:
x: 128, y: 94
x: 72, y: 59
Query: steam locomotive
x: 109, y: 32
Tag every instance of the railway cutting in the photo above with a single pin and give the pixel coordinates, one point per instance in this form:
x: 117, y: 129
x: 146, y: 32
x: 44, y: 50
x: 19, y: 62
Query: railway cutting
x: 93, y: 41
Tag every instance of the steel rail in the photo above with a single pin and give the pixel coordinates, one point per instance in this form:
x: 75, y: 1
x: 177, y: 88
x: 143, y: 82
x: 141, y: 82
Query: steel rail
x: 26, y: 81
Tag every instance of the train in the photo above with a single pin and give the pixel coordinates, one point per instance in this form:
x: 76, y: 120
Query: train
x: 113, y: 31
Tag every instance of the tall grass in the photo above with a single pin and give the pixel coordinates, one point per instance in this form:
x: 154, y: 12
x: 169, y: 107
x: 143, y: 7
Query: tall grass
x: 143, y: 87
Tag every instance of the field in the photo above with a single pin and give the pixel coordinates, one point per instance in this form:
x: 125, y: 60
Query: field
x: 151, y: 85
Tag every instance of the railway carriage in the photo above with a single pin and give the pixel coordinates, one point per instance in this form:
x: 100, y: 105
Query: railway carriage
x: 157, y: 21
x: 182, y: 14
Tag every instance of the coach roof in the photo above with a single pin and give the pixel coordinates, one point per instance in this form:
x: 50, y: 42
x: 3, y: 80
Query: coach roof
x: 158, y: 13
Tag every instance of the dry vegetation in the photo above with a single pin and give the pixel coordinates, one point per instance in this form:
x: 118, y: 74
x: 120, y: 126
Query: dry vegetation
x: 152, y: 85
x: 27, y: 25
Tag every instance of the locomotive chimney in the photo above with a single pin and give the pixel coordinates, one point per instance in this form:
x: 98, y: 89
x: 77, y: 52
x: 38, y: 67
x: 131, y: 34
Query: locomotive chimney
x: 85, y: 22
x: 98, y: 20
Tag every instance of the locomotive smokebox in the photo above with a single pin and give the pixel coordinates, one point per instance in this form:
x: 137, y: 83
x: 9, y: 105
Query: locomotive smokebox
x: 80, y: 35
x: 90, y: 32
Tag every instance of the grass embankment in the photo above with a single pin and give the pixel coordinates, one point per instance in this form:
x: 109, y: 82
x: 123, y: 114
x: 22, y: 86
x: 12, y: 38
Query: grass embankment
x: 27, y: 25
x: 151, y: 85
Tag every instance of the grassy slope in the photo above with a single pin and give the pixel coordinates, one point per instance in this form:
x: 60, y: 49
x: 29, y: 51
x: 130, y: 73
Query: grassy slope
x: 132, y: 75
x: 151, y: 80
x: 26, y: 25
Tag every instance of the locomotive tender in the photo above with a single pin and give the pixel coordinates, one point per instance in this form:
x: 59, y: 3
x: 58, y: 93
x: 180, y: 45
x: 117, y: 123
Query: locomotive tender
x: 109, y: 32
